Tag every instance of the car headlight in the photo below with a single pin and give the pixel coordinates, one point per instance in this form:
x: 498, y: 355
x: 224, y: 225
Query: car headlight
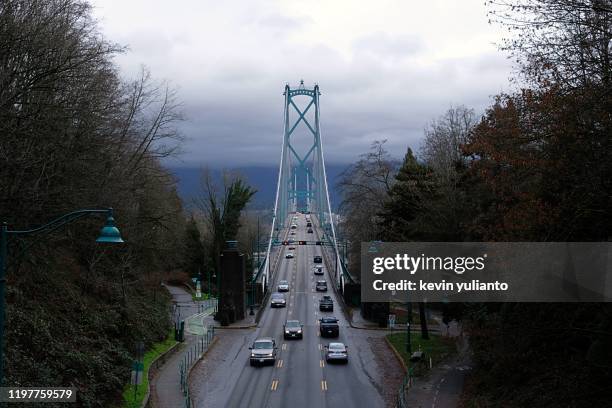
x: 287, y: 332
x: 299, y: 331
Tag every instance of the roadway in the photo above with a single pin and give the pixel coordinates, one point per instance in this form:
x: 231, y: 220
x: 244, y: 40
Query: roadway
x: 301, y: 377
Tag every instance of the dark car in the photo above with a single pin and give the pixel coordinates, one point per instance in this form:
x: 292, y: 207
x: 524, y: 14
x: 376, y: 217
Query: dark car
x: 317, y: 259
x: 292, y: 329
x: 328, y: 327
x: 321, y: 286
x: 277, y: 300
x: 310, y: 230
x: 336, y: 352
x: 317, y: 270
x: 263, y: 351
x: 326, y: 304
x: 309, y: 224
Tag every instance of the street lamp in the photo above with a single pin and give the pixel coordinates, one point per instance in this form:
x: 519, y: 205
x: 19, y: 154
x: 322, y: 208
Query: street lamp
x: 108, y: 234
x: 408, y: 321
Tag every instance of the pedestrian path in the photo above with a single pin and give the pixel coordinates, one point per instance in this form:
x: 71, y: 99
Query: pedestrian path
x: 166, y: 385
x: 198, y: 324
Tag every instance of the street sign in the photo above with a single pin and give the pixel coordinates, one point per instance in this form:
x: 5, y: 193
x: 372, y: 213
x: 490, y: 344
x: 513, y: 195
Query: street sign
x: 391, y: 321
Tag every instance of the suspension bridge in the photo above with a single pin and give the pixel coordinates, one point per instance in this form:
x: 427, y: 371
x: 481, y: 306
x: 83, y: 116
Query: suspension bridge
x: 302, y: 187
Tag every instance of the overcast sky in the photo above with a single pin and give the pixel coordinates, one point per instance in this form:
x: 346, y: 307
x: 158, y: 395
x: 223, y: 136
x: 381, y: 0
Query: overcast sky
x: 385, y: 68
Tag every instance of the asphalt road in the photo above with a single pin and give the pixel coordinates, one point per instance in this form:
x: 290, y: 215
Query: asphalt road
x: 300, y: 377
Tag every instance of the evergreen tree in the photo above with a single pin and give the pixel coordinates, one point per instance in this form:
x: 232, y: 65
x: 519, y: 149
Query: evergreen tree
x: 195, y: 256
x: 403, y: 217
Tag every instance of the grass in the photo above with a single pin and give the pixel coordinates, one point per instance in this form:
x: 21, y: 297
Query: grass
x: 131, y: 401
x: 437, y: 347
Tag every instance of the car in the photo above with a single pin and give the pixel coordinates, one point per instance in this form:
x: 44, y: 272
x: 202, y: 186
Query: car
x: 310, y: 230
x: 293, y: 226
x: 328, y: 327
x: 317, y: 270
x: 293, y: 329
x: 336, y: 352
x: 291, y: 248
x: 321, y: 286
x: 309, y: 224
x: 289, y: 255
x: 263, y: 351
x: 291, y: 241
x: 292, y: 232
x: 277, y: 300
x: 283, y: 286
x: 317, y: 259
x: 326, y: 304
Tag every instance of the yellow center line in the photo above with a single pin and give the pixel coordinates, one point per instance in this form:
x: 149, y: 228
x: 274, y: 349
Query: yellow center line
x: 323, y: 385
x: 274, y: 385
x: 279, y: 364
x: 284, y: 347
x: 321, y: 363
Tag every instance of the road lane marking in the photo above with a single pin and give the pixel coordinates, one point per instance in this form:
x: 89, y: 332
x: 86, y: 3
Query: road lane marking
x: 279, y: 364
x: 323, y: 385
x: 321, y: 363
x: 284, y: 346
x: 320, y: 346
x: 274, y: 385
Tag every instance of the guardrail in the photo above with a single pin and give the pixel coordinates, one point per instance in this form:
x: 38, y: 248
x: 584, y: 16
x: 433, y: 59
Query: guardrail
x: 193, y: 354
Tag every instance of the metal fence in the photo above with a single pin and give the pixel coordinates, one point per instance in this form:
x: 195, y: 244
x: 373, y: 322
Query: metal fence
x: 193, y: 354
x: 206, y: 305
x: 403, y: 390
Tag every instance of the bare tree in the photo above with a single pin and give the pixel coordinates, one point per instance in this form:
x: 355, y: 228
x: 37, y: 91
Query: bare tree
x: 441, y: 149
x: 561, y: 42
x: 365, y: 187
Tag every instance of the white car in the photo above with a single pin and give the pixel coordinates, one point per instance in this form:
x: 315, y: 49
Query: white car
x: 289, y: 255
x: 283, y: 286
x: 318, y: 270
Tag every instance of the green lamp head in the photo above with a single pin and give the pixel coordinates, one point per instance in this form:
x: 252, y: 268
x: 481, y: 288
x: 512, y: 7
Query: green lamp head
x: 110, y: 233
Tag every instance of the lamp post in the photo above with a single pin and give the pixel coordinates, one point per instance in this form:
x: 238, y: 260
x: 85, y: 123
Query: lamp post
x: 108, y: 234
x: 209, y: 287
x: 214, y: 275
x: 408, y: 321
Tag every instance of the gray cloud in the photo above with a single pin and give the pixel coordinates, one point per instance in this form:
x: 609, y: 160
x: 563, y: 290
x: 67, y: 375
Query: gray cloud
x: 381, y: 82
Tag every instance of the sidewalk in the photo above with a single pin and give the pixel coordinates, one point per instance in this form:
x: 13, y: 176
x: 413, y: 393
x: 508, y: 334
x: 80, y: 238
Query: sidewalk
x: 443, y: 386
x: 166, y: 385
x: 358, y: 322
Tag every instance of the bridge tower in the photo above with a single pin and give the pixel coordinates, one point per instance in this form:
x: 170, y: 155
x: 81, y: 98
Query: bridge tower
x: 302, y: 182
